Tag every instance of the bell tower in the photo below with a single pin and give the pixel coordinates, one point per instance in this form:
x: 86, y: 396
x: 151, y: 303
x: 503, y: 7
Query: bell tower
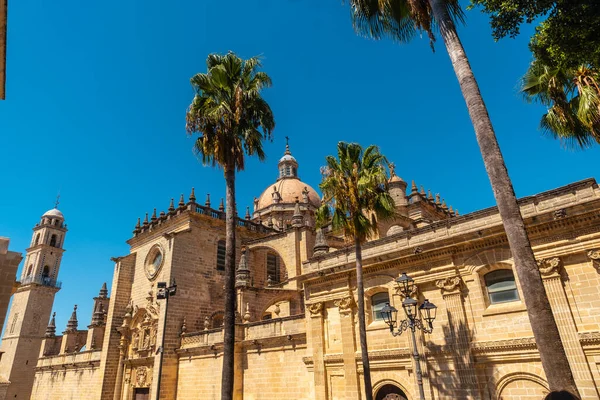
x: 32, y: 305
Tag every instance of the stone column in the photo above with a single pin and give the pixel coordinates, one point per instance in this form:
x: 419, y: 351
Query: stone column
x: 318, y: 348
x: 550, y: 270
x: 122, y: 351
x: 346, y: 308
x: 459, y: 336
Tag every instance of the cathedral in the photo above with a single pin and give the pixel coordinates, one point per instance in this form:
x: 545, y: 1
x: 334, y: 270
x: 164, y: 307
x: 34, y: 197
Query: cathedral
x: 297, y: 331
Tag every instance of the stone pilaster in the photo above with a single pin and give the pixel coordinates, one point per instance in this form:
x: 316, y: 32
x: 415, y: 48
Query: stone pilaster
x: 346, y: 308
x: 459, y: 337
x: 550, y: 269
x: 317, y: 338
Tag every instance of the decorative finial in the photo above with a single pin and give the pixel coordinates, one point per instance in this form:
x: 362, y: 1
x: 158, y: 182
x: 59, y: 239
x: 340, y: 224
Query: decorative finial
x: 183, y: 327
x: 153, y: 218
x: 297, y: 218
x: 444, y: 206
x: 137, y: 226
x: 413, y: 187
x: 206, y: 323
x: 51, y: 329
x: 247, y: 216
x: 456, y: 214
x: 72, y: 323
x: 146, y: 220
x: 437, y: 199
x: 321, y: 246
x: 181, y: 201
x: 192, y: 196
x: 103, y: 291
x: 422, y: 192
x: 172, y: 206
x: 247, y: 314
x: 207, y: 202
x: 162, y: 214
x: 450, y: 210
x: 287, y: 145
x: 429, y: 195
x: 392, y: 168
x: 222, y: 205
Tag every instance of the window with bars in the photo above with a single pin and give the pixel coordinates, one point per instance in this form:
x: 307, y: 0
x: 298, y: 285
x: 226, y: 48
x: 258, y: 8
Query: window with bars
x: 221, y: 255
x: 501, y: 286
x: 273, y: 267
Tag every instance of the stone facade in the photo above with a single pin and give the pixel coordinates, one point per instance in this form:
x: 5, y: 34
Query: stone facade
x: 296, y: 300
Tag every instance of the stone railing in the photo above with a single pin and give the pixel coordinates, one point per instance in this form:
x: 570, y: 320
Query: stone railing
x: 272, y: 328
x: 89, y: 358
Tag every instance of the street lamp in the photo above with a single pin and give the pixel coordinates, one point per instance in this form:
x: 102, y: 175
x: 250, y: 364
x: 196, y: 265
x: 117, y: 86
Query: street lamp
x: 163, y: 292
x: 417, y: 317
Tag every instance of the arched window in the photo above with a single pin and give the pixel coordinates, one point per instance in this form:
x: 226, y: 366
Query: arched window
x: 267, y: 316
x: 217, y: 321
x: 501, y: 286
x: 272, y: 267
x: 221, y: 255
x: 378, y: 301
x: 29, y: 270
x: 37, y: 239
x: 53, y: 241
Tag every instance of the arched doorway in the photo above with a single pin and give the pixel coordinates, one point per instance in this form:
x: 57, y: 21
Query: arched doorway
x: 390, y: 392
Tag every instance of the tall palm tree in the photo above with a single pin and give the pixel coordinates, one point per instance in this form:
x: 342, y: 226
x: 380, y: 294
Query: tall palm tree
x: 573, y: 100
x: 402, y: 20
x: 354, y: 190
x: 231, y: 119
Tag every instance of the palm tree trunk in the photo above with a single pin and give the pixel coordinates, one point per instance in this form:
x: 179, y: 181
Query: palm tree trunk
x: 229, y: 317
x: 552, y: 353
x: 362, y: 326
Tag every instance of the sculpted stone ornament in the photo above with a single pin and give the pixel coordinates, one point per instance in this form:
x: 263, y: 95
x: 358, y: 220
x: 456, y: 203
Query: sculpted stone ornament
x: 143, y: 377
x: 594, y: 255
x: 549, y: 266
x: 315, y: 309
x: 449, y: 284
x: 344, y: 304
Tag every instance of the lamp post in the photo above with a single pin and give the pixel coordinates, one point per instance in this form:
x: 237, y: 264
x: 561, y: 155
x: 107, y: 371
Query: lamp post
x: 417, y: 317
x: 163, y: 292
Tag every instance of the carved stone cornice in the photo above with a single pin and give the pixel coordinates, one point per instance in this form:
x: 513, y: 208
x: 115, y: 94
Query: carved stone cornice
x: 549, y: 267
x: 527, y: 343
x: 594, y: 255
x: 450, y: 285
x: 315, y: 309
x: 345, y: 305
x: 589, y: 338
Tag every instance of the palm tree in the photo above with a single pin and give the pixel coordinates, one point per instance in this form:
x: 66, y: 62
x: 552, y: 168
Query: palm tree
x: 402, y: 20
x: 231, y: 119
x: 354, y: 190
x: 573, y: 100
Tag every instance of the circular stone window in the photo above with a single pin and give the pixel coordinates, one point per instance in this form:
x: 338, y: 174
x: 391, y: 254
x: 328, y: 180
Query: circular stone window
x: 154, y: 261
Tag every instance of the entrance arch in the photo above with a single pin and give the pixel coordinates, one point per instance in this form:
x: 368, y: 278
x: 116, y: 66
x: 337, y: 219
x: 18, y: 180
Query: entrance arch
x: 390, y: 392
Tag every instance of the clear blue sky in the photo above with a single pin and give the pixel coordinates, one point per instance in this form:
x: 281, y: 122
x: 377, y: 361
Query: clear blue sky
x: 97, y: 94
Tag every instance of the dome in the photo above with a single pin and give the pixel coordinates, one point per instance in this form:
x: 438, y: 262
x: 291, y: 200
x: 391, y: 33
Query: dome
x: 289, y: 189
x: 54, y: 213
x: 288, y: 157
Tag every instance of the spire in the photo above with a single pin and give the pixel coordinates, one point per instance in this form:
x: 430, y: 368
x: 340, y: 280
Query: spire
x: 287, y: 146
x: 103, y: 291
x: 437, y: 199
x: 72, y: 323
x: 321, y: 247
x: 207, y: 202
x: 192, y: 196
x: 146, y: 220
x: 429, y: 195
x: 222, y: 206
x: 444, y: 206
x: 450, y: 210
x: 422, y: 192
x: 297, y: 218
x: 51, y: 329
x: 153, y: 218
x: 181, y: 201
x: 247, y: 216
x: 161, y: 215
x: 172, y: 206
